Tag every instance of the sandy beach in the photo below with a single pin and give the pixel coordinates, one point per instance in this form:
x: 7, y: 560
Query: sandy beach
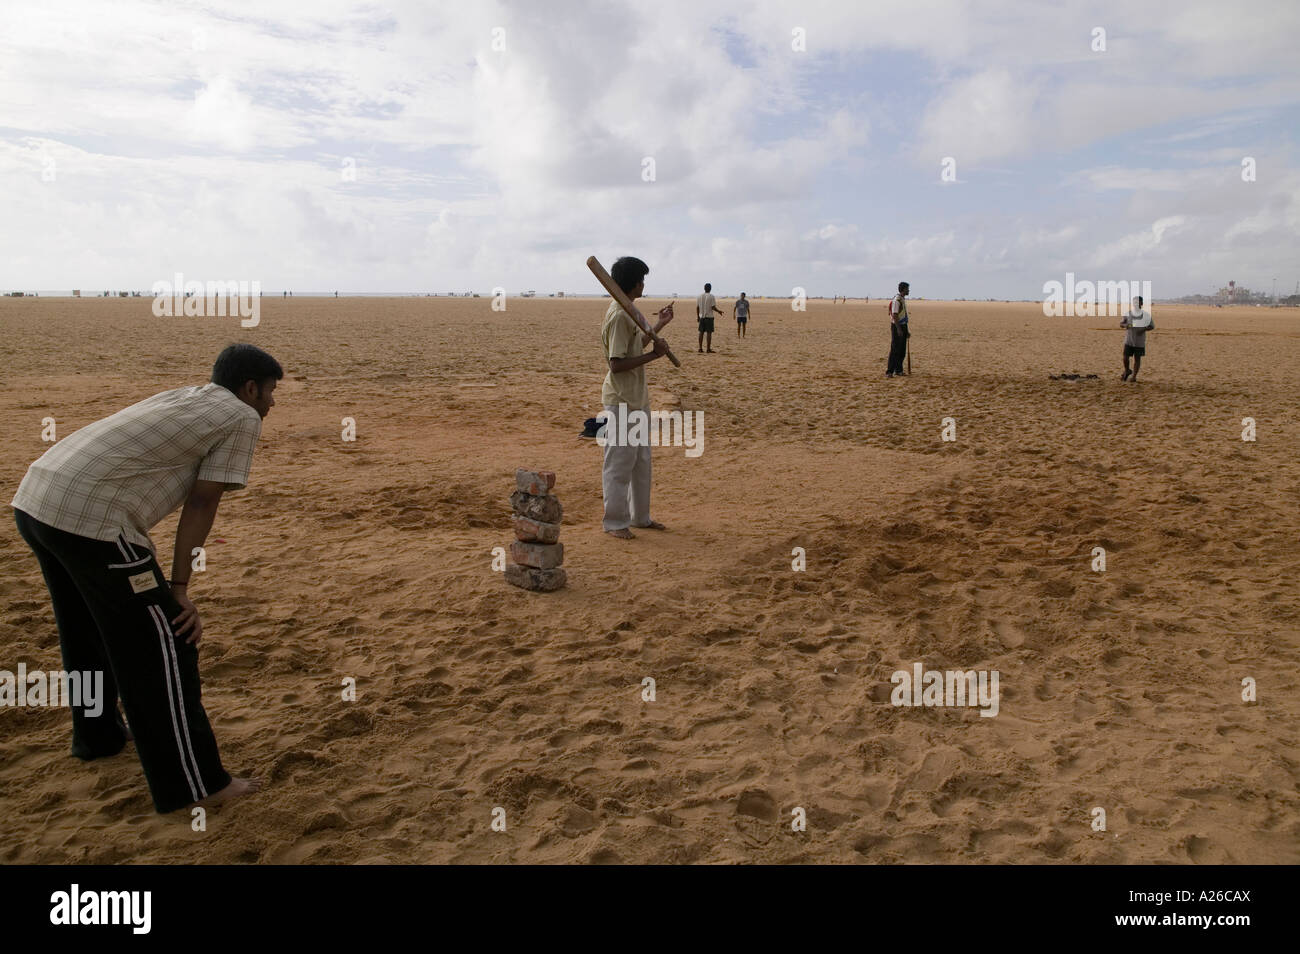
x: 372, y: 559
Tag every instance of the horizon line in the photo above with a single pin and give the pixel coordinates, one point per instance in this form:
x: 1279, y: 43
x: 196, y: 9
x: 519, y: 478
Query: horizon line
x: 131, y: 293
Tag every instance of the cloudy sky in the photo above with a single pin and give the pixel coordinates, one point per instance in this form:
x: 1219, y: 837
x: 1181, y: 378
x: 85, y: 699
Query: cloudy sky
x: 447, y: 146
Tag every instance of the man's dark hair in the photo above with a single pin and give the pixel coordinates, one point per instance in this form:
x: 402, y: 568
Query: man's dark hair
x: 903, y: 285
x: 708, y: 286
x: 628, y: 272
x: 238, y: 363
x: 742, y: 294
x: 1139, y: 299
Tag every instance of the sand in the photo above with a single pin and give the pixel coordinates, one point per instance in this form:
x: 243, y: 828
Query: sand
x: 372, y: 560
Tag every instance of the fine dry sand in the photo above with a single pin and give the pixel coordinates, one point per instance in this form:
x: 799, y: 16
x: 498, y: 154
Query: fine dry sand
x: 1120, y: 690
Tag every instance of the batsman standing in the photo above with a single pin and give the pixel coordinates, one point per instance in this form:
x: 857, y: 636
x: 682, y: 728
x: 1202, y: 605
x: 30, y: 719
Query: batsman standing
x: 626, y: 470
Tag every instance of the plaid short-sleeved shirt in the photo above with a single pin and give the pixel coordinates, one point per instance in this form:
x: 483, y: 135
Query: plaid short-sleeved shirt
x: 123, y: 474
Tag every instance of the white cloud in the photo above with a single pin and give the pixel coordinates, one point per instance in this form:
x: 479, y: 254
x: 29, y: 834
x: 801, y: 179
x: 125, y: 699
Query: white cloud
x: 1135, y: 246
x: 987, y: 115
x: 1156, y: 180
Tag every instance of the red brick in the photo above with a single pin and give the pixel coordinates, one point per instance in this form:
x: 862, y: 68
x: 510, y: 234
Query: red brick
x: 536, y: 482
x: 542, y: 581
x: 543, y: 556
x: 546, y: 508
x: 535, y: 531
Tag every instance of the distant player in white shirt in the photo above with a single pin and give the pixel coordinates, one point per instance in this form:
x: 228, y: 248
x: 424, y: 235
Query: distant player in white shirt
x: 705, y: 306
x: 1138, y: 322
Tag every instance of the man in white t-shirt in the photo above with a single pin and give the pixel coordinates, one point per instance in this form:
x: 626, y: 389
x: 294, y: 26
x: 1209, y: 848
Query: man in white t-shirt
x: 705, y: 306
x: 1138, y: 322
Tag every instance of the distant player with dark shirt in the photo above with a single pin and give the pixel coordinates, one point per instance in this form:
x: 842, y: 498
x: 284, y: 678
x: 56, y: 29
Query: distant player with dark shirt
x: 898, y: 333
x: 741, y: 310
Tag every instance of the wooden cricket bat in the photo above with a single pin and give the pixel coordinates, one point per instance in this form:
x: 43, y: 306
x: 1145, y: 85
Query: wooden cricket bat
x: 620, y: 296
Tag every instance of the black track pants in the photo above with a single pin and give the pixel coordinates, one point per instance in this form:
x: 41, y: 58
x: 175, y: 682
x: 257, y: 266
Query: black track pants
x: 114, y: 612
x: 897, y: 348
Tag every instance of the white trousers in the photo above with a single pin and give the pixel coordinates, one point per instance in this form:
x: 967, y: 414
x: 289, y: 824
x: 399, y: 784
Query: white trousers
x: 626, y: 479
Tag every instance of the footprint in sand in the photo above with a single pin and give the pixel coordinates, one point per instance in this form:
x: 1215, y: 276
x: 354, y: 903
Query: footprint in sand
x: 757, y: 804
x: 756, y: 811
x: 1203, y: 851
x: 1044, y: 691
x: 1007, y: 635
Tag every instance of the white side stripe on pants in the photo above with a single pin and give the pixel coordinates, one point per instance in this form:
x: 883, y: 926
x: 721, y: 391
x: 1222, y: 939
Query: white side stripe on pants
x: 125, y: 546
x: 134, y: 563
x: 176, y: 701
x: 185, y: 725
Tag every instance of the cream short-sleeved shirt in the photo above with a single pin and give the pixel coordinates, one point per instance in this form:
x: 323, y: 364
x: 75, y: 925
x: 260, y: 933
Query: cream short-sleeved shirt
x: 622, y: 339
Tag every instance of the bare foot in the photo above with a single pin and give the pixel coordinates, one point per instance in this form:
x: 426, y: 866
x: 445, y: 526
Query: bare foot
x: 710, y: 351
x: 236, y: 788
x: 623, y: 534
x: 653, y: 525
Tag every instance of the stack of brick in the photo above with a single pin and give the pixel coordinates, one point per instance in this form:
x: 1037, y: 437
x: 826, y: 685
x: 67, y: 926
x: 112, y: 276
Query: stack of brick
x: 536, y: 551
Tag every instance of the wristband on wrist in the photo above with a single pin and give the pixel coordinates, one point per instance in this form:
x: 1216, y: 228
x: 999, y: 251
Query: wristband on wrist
x: 178, y: 582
